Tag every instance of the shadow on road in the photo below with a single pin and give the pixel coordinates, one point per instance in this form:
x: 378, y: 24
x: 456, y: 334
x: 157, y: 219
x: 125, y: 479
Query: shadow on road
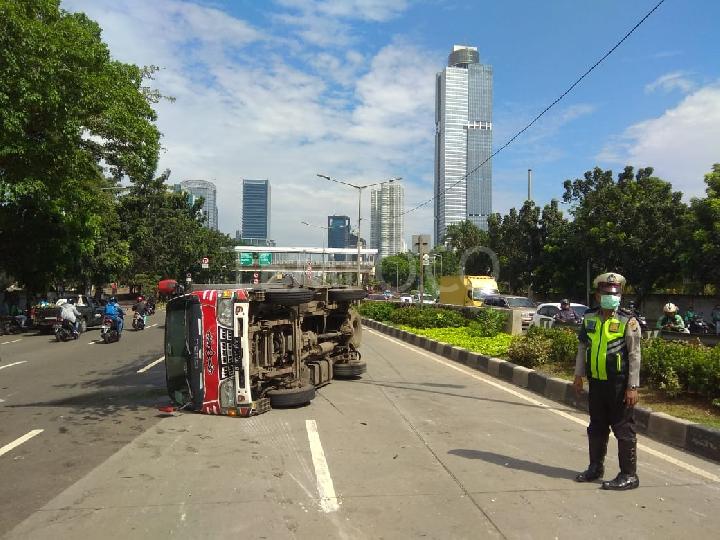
x: 509, y: 462
x: 403, y: 386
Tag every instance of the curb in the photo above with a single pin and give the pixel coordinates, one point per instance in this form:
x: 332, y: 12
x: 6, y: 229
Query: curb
x: 695, y: 438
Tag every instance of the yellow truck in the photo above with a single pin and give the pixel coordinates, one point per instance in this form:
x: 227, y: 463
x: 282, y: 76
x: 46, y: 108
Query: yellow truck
x: 466, y: 290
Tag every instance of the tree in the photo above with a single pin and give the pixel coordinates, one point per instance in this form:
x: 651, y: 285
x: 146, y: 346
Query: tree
x: 632, y: 226
x: 465, y: 239
x: 70, y: 114
x: 702, y: 253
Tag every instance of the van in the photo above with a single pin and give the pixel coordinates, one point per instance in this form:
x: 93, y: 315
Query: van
x: 466, y: 290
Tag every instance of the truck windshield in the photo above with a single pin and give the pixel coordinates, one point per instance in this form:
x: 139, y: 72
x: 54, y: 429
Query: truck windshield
x: 182, y: 339
x: 479, y: 293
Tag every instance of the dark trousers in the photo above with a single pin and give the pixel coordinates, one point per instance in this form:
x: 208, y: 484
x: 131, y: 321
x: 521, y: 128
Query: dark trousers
x: 608, y: 410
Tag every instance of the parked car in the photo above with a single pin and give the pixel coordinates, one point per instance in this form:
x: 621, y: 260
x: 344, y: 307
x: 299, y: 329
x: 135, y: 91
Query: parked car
x: 516, y: 303
x: 92, y: 314
x: 545, y: 313
x: 376, y: 297
x: 406, y: 299
x: 427, y: 299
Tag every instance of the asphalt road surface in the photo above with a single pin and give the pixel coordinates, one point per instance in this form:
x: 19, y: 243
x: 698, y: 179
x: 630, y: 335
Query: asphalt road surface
x: 418, y: 448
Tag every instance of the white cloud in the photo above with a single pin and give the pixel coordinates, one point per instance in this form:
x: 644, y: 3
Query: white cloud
x: 681, y: 145
x: 677, y: 80
x: 285, y: 118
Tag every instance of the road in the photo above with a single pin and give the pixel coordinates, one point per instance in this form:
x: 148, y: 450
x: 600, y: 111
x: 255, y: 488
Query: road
x: 419, y: 447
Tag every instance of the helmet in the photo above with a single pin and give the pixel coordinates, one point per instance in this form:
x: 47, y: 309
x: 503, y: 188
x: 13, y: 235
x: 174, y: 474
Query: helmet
x: 670, y: 308
x: 112, y: 300
x: 609, y: 282
x: 71, y: 301
x: 140, y: 298
x: 564, y: 302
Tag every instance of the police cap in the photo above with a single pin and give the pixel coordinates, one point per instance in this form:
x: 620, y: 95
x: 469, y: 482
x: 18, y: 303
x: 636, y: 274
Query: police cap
x: 609, y: 282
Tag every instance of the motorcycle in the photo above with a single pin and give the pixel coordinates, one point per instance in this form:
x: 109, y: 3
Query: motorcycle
x: 697, y: 325
x: 109, y: 331
x: 150, y: 308
x: 64, y: 330
x: 138, y: 322
x: 10, y: 325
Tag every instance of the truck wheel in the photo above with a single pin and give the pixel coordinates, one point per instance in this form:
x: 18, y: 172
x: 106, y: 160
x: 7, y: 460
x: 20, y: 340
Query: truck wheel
x: 349, y: 370
x: 346, y: 295
x: 291, y: 397
x: 289, y: 297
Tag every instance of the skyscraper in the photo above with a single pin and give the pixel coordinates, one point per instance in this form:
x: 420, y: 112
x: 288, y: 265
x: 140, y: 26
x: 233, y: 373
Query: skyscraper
x: 208, y: 191
x: 463, y: 140
x: 386, y: 219
x: 256, y: 209
x: 338, y: 230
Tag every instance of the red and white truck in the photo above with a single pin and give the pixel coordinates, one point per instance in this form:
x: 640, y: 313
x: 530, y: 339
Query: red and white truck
x: 240, y: 351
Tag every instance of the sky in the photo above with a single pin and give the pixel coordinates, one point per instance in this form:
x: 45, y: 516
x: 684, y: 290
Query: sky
x: 287, y: 89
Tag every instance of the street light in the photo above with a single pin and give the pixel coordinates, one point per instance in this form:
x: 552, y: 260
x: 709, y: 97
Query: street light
x: 359, y: 189
x: 323, y: 243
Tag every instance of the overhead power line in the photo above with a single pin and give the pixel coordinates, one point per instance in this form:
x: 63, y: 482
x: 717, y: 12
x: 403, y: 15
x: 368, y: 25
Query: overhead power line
x: 546, y: 109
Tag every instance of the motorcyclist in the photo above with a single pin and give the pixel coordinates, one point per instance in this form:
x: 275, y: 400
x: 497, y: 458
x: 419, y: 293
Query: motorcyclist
x: 671, y: 320
x: 68, y: 312
x: 140, y: 307
x: 690, y: 315
x: 567, y: 314
x: 116, y: 313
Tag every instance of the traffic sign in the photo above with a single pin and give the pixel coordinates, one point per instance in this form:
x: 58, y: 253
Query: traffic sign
x: 205, y: 260
x: 264, y: 259
x: 426, y: 259
x: 256, y: 275
x: 246, y: 259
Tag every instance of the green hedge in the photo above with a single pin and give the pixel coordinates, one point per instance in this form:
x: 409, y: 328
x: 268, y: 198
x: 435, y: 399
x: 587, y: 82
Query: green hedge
x: 480, y: 323
x: 462, y: 337
x: 682, y: 368
x: 544, y: 346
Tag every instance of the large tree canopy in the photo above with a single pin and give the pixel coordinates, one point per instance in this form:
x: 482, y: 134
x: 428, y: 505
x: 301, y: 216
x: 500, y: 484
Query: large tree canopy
x: 70, y: 116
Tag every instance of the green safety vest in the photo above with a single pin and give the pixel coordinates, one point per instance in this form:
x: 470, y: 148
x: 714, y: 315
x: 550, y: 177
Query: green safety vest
x: 607, y: 353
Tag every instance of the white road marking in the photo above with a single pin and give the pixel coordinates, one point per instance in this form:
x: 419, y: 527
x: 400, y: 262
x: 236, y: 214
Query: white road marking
x: 155, y: 363
x: 152, y: 325
x: 17, y: 442
x: 15, y: 341
x: 13, y: 364
x: 326, y: 490
x: 4, y: 343
x: 687, y: 466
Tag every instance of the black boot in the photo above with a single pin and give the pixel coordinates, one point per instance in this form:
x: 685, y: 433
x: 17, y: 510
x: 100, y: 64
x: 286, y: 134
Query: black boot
x: 598, y: 449
x: 627, y: 479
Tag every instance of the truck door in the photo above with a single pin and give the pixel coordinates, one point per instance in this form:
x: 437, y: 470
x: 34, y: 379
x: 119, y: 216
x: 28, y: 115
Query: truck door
x: 183, y: 351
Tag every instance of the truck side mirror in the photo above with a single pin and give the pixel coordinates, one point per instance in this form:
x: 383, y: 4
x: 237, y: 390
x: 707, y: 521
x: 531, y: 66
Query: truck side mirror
x: 469, y: 294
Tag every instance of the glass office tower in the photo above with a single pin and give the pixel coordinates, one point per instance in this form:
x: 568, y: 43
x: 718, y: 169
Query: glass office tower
x: 463, y: 140
x: 256, y: 209
x: 208, y: 191
x: 386, y: 219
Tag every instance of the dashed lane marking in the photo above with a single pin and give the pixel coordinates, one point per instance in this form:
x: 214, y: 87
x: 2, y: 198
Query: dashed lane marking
x: 678, y: 463
x: 326, y: 490
x: 13, y: 364
x: 17, y: 442
x: 150, y: 365
x: 153, y: 325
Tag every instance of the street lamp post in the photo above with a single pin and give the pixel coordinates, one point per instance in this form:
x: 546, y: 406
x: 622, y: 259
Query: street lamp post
x: 323, y: 244
x: 359, y: 190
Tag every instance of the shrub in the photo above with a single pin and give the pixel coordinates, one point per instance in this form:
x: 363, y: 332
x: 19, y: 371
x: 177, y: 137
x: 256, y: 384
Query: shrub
x: 379, y: 311
x: 486, y: 322
x: 427, y: 317
x: 460, y: 337
x: 530, y: 350
x: 678, y: 367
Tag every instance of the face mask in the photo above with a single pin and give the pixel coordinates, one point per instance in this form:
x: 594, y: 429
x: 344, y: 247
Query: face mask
x: 610, y: 301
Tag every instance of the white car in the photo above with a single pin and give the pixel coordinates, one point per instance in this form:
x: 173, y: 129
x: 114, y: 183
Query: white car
x: 545, y: 313
x: 427, y: 299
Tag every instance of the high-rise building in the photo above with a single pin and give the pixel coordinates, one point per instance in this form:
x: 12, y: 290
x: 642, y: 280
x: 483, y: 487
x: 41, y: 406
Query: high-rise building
x: 463, y: 140
x: 386, y: 219
x: 338, y: 231
x: 256, y: 209
x: 208, y: 192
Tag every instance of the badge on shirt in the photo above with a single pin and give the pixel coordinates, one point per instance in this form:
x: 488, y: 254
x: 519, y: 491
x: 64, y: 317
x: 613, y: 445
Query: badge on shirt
x: 614, y: 326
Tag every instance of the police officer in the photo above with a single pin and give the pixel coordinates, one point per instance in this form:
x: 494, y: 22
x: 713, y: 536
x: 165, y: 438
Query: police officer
x: 609, y: 353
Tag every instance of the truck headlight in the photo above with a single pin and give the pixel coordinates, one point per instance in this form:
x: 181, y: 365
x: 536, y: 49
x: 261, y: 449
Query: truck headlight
x: 227, y: 393
x: 224, y: 311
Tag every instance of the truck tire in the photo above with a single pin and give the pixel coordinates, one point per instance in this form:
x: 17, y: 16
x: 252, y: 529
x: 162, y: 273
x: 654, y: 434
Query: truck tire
x: 349, y: 370
x: 291, y: 397
x: 289, y: 297
x: 346, y: 295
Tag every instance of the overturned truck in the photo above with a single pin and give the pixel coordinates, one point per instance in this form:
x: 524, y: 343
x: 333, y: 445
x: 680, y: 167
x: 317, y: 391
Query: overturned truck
x: 239, y: 352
